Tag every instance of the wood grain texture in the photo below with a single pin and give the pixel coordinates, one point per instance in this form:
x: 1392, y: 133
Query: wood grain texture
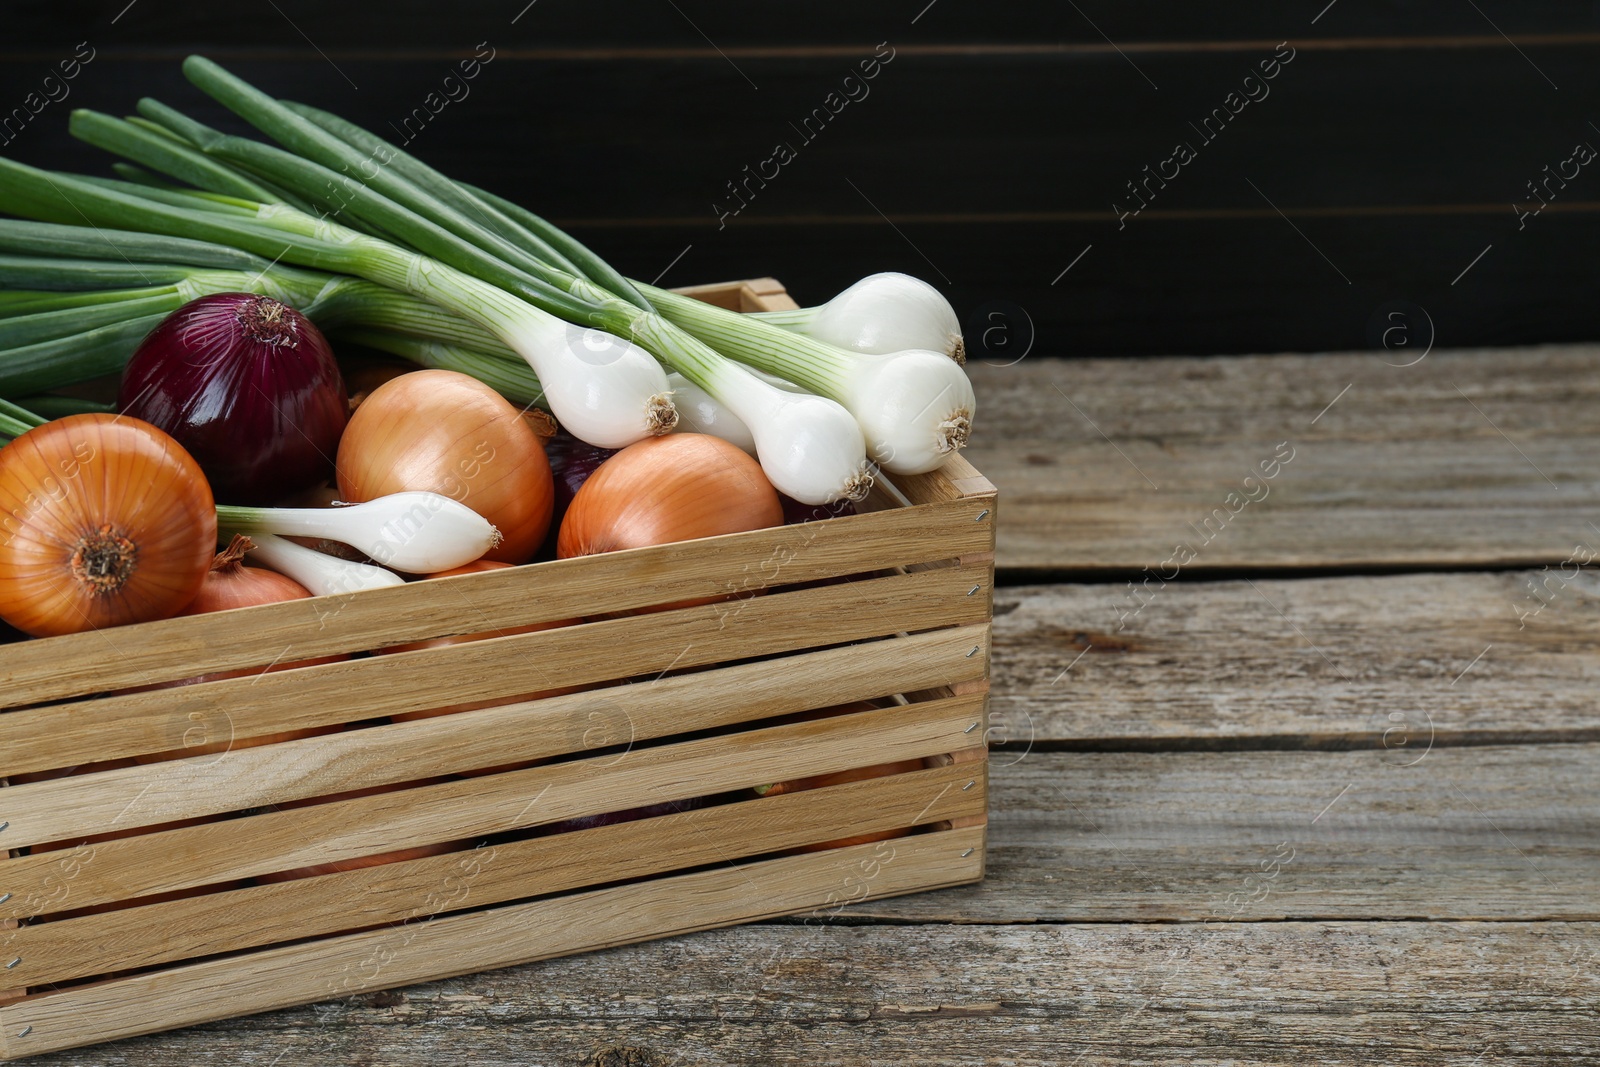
x: 498, y: 937
x: 1466, y: 459
x: 1373, y: 662
x: 1429, y: 995
x: 1464, y: 833
x: 493, y: 874
x: 291, y: 838
x: 599, y: 724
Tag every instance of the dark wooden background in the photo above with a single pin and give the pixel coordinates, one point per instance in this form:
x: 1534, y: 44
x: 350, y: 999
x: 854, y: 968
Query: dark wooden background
x: 986, y: 157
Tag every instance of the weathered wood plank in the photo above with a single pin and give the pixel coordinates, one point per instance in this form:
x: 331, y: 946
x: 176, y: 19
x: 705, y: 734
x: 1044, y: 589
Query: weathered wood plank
x: 1465, y: 833
x: 1111, y: 466
x: 1441, y: 995
x: 1329, y: 662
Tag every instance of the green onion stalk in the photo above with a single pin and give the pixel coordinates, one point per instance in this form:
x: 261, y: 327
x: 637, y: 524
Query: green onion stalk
x: 16, y: 420
x: 611, y: 392
x: 810, y: 447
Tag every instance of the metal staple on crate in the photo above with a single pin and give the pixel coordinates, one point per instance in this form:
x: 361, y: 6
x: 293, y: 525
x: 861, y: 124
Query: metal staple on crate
x: 4, y: 897
x: 26, y: 1030
x: 969, y: 785
x: 981, y: 515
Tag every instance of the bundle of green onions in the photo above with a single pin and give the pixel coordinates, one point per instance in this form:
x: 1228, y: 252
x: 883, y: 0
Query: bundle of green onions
x: 381, y: 249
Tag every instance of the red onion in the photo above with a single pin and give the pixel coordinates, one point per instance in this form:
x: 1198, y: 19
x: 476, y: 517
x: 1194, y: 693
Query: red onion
x: 571, y: 461
x: 249, y: 387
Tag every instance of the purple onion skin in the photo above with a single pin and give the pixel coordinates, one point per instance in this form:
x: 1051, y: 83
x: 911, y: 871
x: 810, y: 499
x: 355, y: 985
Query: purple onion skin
x: 795, y: 512
x: 571, y: 461
x: 249, y: 387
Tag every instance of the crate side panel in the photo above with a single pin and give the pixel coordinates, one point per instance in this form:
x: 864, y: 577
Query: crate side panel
x: 503, y: 668
x: 498, y: 937
x: 510, y: 734
x: 400, y: 892
x: 292, y: 838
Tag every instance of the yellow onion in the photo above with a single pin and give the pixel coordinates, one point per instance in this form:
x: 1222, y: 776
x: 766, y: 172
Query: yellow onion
x: 104, y: 520
x: 442, y: 432
x: 665, y: 489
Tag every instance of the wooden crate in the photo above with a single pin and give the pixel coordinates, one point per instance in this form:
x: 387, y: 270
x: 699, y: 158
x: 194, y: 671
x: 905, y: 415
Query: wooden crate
x: 702, y: 697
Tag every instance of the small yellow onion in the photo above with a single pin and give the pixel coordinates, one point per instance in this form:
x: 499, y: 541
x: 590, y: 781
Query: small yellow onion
x: 666, y: 489
x: 442, y: 432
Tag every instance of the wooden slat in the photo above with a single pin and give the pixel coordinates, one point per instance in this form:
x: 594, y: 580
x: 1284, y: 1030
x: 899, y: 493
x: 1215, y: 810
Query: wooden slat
x: 1493, y: 833
x: 503, y: 668
x: 1374, y: 662
x: 524, y: 732
x: 1443, y: 463
x: 400, y: 892
x: 291, y: 838
x: 498, y: 937
x: 619, y: 581
x: 1341, y: 994
x: 956, y: 480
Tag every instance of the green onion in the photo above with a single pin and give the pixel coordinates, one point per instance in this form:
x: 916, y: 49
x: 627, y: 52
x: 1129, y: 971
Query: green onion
x: 514, y: 381
x: 321, y: 574
x: 415, y: 532
x: 24, y: 302
x: 810, y: 447
x: 16, y: 421
x: 915, y: 407
x: 21, y: 237
x: 604, y: 389
x: 75, y: 358
x: 164, y: 153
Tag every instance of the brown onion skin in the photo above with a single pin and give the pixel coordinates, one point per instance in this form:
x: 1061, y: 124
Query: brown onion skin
x: 109, y: 490
x: 249, y: 386
x: 664, y: 489
x: 245, y: 587
x: 443, y: 432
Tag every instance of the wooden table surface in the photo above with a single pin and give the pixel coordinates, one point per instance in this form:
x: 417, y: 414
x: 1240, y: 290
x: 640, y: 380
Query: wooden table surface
x: 1319, y: 785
